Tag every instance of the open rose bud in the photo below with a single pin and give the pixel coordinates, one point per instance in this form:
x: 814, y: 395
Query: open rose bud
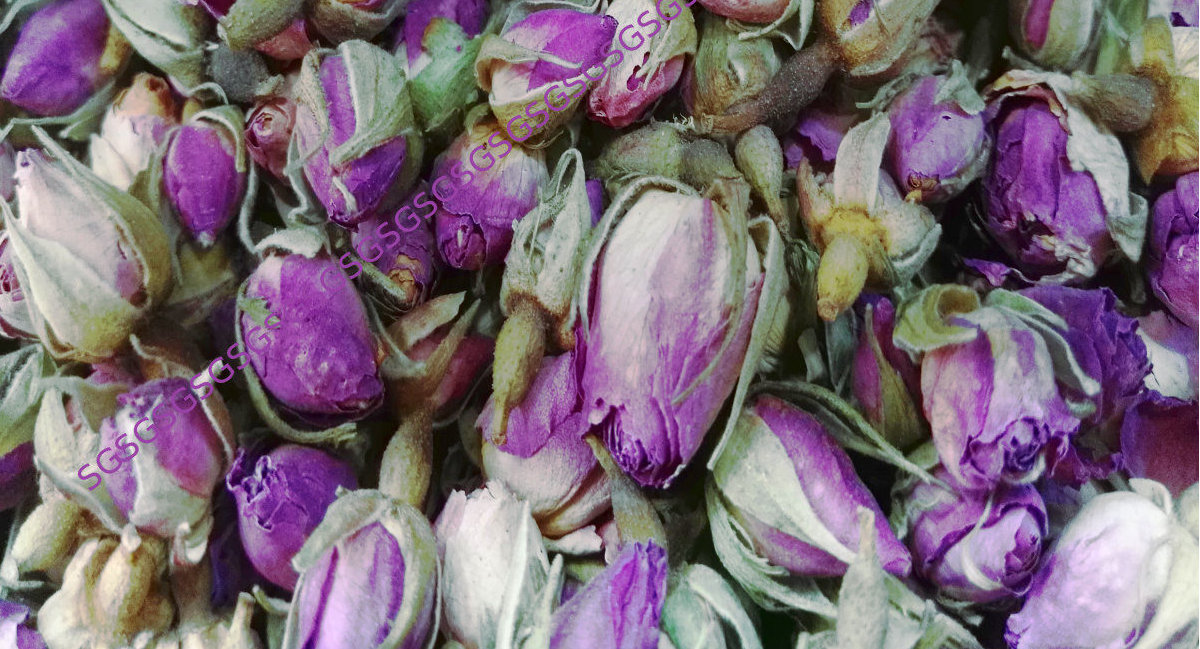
x: 168, y: 459
x: 868, y: 235
x: 268, y: 132
x: 355, y: 131
x: 92, y: 260
x: 1122, y: 570
x: 343, y: 20
x: 486, y: 190
x: 1057, y: 213
x: 1056, y: 34
x: 522, y: 68
x: 620, y: 607
x: 975, y: 547
x: 67, y: 50
x: 778, y: 449
x: 281, y: 497
x: 674, y: 293
x: 487, y: 542
x: 544, y: 458
x: 368, y: 578
x: 320, y: 363
x: 647, y: 69
x: 992, y: 401
x: 938, y: 144
x: 135, y: 125
x: 15, y: 319
x: 1105, y: 344
x: 1171, y: 261
x: 438, y: 46
x: 205, y: 172
x: 1159, y: 441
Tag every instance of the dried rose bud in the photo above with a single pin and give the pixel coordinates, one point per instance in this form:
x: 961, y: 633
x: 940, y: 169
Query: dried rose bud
x: 618, y: 608
x: 268, y: 132
x: 67, y: 50
x: 368, y: 578
x: 486, y: 189
x: 648, y: 67
x: 544, y: 458
x: 1056, y: 34
x: 938, y: 144
x: 408, y: 258
x: 92, y: 260
x: 438, y: 44
x: 515, y: 70
x: 359, y: 150
x: 884, y: 380
x: 133, y: 129
x: 281, y: 497
x: 726, y: 69
x: 974, y: 546
x: 274, y: 28
x: 793, y: 454
x: 320, y: 362
x: 343, y: 20
x: 1159, y: 441
x: 205, y: 173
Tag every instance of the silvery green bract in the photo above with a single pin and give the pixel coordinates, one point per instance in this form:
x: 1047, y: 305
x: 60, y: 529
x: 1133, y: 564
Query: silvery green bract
x: 1122, y: 574
x: 368, y: 578
x: 702, y: 610
x: 493, y: 566
x: 1057, y: 34
x: 680, y: 296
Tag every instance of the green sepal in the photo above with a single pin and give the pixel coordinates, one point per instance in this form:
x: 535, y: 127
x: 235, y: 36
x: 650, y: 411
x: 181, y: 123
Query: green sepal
x: 21, y: 388
x: 170, y: 35
x: 446, y: 84
x: 921, y: 319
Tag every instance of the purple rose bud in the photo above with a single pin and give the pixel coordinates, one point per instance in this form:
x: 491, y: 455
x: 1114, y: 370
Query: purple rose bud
x: 320, y: 362
x: 13, y: 627
x: 1103, y: 581
x: 884, y: 380
x: 544, y: 458
x: 993, y: 404
x: 620, y: 607
x: 350, y: 188
x: 662, y: 297
x: 1054, y: 33
x: 976, y: 547
x: 168, y: 460
x: 1048, y: 217
x: 634, y: 82
x: 527, y: 69
x: 67, y: 50
x: 368, y: 578
x: 280, y: 501
x: 470, y: 15
x: 816, y: 137
x: 268, y: 131
x: 474, y: 223
x: 202, y: 179
x: 1171, y: 262
x: 408, y: 258
x: 15, y: 319
x: 17, y: 476
x: 822, y: 472
x: 595, y: 194
x: 1159, y: 441
x: 935, y: 148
